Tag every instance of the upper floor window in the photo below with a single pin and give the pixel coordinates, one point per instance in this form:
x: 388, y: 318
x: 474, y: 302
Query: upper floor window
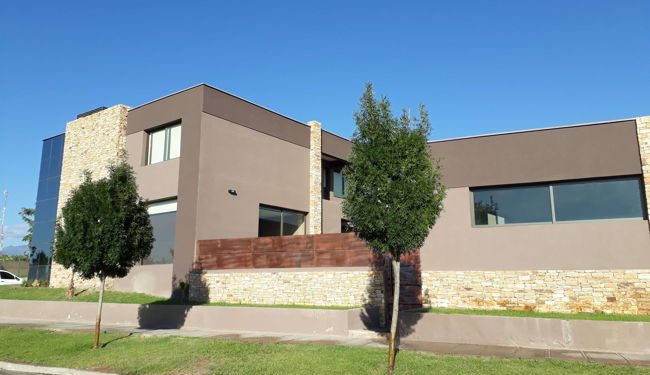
x: 164, y: 144
x: 280, y: 222
x: 339, y: 183
x: 597, y: 199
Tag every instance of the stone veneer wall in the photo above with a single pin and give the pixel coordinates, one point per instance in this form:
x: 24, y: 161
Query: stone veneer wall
x: 291, y: 287
x: 643, y: 136
x: 608, y: 291
x: 92, y: 143
x: 315, y: 219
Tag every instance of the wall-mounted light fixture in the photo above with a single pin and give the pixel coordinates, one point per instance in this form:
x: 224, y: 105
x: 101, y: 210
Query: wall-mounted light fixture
x: 232, y: 191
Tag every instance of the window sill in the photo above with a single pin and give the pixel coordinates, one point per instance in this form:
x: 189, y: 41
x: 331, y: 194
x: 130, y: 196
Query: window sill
x: 560, y: 222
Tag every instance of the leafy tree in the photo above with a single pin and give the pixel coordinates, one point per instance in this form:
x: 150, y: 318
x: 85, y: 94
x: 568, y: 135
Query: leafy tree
x: 27, y: 214
x: 104, y: 230
x: 394, y: 190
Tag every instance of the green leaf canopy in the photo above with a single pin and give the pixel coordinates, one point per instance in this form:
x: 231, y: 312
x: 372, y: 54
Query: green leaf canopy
x: 394, y: 189
x: 104, y: 228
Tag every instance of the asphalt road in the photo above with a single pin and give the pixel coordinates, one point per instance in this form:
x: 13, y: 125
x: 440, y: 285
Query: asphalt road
x: 5, y: 372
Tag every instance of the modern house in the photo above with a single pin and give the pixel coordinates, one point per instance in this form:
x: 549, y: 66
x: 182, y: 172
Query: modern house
x: 552, y: 219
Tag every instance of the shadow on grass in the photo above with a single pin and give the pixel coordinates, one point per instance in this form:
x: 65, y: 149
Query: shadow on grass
x: 117, y: 339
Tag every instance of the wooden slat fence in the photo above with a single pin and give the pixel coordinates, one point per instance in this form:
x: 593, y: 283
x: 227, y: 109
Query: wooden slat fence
x: 321, y: 250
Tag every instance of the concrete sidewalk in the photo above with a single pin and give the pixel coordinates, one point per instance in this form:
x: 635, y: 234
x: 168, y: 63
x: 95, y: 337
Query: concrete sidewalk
x: 359, y: 339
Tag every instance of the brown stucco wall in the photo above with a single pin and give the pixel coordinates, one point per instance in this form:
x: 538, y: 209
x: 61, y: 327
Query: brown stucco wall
x: 332, y: 214
x: 157, y: 181
x: 609, y: 149
x: 261, y: 154
x: 229, y: 143
x: 454, y: 244
x: 336, y: 146
x: 260, y: 168
x: 186, y: 107
x: 247, y: 114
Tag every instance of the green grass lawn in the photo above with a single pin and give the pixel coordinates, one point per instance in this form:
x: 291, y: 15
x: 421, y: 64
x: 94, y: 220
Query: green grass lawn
x: 58, y: 294
x: 550, y: 315
x: 183, y: 355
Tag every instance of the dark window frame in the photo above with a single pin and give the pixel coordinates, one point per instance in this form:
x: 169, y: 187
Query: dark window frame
x: 282, y: 210
x: 343, y: 187
x: 148, y: 261
x: 639, y: 178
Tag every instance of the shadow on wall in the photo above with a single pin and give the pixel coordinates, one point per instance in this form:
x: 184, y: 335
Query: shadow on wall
x: 377, y: 312
x: 373, y: 313
x: 168, y: 314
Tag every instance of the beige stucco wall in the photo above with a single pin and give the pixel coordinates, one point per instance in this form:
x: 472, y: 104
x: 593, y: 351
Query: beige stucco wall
x: 262, y: 169
x: 303, y: 286
x: 454, y: 244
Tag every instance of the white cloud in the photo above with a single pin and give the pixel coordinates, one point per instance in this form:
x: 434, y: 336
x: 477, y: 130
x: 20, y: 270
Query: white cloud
x: 14, y: 234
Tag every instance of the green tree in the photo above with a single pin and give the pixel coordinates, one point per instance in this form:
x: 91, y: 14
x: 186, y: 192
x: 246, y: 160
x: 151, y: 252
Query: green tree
x: 104, y: 230
x: 394, y: 190
x: 27, y: 214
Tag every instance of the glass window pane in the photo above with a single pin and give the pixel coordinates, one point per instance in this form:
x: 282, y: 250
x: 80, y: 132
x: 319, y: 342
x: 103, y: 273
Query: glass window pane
x: 512, y: 205
x: 293, y: 223
x: 270, y: 222
x: 174, y: 142
x: 156, y: 146
x: 162, y: 207
x: 339, y: 184
x: 593, y: 200
x: 164, y: 234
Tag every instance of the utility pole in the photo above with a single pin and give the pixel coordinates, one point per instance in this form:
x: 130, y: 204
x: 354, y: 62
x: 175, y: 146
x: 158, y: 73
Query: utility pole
x: 5, y: 194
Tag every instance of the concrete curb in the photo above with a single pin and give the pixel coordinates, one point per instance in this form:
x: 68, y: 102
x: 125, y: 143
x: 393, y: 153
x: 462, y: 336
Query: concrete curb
x: 30, y: 369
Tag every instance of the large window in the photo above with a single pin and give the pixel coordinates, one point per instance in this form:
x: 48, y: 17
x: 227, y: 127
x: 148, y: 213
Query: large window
x: 163, y: 220
x: 164, y: 144
x: 512, y: 205
x: 613, y: 198
x: 280, y: 222
x: 592, y: 200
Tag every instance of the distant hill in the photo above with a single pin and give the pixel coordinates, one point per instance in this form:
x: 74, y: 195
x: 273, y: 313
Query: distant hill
x: 14, y: 250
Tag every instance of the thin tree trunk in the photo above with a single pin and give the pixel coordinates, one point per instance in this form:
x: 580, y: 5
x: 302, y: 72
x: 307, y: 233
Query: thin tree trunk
x: 70, y: 292
x: 99, y: 312
x: 394, y: 319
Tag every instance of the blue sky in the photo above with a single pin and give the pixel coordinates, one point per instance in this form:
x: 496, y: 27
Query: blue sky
x: 479, y: 67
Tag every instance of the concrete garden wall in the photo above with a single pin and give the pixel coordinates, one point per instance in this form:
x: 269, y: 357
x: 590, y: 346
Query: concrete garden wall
x: 610, y: 336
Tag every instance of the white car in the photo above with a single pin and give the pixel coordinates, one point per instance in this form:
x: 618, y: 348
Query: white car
x: 8, y: 278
